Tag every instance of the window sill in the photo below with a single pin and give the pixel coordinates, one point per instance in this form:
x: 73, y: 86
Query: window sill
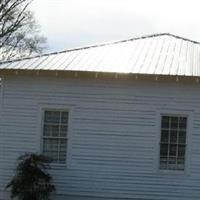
x: 173, y: 172
x: 57, y: 166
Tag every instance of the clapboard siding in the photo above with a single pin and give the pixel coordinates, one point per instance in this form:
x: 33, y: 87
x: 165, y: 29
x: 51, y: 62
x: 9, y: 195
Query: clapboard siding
x: 114, y: 136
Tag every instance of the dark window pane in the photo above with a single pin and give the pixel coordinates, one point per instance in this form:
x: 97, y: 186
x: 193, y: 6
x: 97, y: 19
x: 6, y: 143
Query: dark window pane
x: 182, y: 137
x: 62, y: 157
x: 174, y: 122
x: 173, y: 137
x: 52, y: 117
x: 172, y: 163
x: 163, y: 150
x: 164, y: 136
x: 50, y: 145
x: 63, y: 145
x: 181, y: 150
x: 172, y: 150
x: 182, y: 122
x: 64, y: 117
x: 47, y: 130
x: 53, y: 155
x: 50, y: 148
x: 165, y: 122
x: 55, y: 130
x: 51, y: 130
x: 180, y: 163
x: 63, y: 131
x: 63, y: 150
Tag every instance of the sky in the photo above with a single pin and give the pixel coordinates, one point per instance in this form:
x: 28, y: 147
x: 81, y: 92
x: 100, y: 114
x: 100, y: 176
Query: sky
x: 75, y: 23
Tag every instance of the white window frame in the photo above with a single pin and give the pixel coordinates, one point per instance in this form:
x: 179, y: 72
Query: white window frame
x: 176, y: 113
x: 65, y: 108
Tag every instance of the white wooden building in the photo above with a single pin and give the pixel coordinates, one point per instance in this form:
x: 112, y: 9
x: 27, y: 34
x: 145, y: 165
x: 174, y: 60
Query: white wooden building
x: 121, y: 120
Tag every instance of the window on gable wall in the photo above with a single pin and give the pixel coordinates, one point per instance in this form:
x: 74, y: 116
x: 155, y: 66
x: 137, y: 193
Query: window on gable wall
x: 55, y: 128
x: 173, y: 142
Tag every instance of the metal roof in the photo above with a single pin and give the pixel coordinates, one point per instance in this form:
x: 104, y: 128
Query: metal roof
x: 158, y: 54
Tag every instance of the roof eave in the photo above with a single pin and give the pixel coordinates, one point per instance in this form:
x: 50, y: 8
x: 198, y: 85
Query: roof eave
x: 99, y: 75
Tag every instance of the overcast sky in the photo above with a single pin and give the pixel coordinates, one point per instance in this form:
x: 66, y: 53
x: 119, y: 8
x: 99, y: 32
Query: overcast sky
x: 75, y: 23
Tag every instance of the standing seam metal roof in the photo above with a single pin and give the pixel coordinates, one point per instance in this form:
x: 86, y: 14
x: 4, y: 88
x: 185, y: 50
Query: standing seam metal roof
x: 158, y: 54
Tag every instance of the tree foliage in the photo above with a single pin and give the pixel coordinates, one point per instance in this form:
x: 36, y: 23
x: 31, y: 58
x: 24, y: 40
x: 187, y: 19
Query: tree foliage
x: 19, y: 32
x: 31, y: 181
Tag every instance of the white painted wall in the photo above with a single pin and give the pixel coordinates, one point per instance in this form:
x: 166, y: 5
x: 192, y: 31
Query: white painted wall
x: 114, y: 138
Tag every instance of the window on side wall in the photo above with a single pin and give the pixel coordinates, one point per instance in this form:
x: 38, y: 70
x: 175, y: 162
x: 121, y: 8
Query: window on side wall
x: 173, y: 142
x: 54, y: 138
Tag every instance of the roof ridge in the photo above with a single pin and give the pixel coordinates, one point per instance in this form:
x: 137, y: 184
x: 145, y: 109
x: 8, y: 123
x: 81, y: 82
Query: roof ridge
x: 183, y: 38
x: 101, y: 44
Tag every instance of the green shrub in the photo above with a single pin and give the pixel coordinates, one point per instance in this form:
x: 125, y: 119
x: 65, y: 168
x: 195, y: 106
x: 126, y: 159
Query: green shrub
x: 32, y: 181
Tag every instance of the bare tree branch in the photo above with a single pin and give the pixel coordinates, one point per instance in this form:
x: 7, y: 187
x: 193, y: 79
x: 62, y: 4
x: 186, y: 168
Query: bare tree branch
x: 19, y: 33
